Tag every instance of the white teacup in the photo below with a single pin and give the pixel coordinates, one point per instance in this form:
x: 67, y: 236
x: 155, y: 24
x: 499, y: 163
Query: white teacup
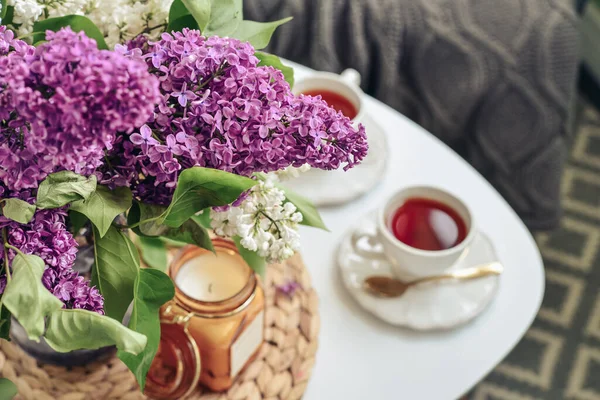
x: 408, y: 261
x: 346, y: 84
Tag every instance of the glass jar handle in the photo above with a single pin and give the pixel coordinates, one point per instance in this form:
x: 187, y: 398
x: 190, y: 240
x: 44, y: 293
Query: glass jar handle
x: 176, y: 368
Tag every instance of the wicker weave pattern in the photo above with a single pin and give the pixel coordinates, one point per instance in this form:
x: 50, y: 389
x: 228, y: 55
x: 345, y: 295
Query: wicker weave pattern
x: 281, y: 371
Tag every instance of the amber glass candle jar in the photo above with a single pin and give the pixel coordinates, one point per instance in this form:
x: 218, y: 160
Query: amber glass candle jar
x: 213, y: 327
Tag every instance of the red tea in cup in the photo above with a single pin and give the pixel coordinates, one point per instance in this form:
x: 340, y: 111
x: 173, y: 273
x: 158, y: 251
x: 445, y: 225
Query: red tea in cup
x: 428, y: 225
x: 336, y: 101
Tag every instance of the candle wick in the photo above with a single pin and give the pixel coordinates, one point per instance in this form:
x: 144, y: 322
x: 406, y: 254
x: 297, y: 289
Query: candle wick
x: 210, y: 288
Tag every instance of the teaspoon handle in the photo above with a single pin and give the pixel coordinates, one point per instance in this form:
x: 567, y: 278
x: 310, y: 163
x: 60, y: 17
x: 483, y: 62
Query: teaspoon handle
x: 479, y: 271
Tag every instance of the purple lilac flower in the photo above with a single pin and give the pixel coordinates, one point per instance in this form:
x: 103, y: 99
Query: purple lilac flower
x: 61, y: 107
x: 6, y: 38
x: 46, y: 236
x: 289, y: 288
x: 220, y: 110
x: 62, y: 104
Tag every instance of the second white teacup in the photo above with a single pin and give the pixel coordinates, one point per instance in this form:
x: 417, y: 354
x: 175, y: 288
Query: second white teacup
x: 408, y: 261
x: 345, y: 84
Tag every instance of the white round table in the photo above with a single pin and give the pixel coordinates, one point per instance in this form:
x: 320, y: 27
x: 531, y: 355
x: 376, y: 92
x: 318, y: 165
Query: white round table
x: 359, y: 356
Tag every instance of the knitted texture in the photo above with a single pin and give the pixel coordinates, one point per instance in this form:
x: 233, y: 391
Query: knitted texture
x: 493, y: 79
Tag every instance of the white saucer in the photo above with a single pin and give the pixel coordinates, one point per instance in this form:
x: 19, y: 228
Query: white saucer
x: 431, y: 306
x: 326, y: 188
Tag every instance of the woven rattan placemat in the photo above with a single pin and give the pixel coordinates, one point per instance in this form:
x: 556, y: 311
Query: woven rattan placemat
x: 281, y: 370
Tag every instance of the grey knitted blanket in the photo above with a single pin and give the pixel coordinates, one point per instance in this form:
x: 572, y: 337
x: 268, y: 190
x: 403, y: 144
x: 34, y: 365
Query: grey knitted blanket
x: 494, y: 79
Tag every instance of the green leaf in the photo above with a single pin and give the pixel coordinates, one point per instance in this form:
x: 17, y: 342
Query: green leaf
x: 177, y: 10
x: 133, y: 217
x: 257, y: 33
x: 311, y: 216
x: 203, y: 218
x: 8, y: 390
x: 153, y: 228
x: 18, y: 210
x: 187, y: 21
x: 200, y: 10
x: 172, y: 243
x: 153, y: 288
x: 64, y: 187
x: 225, y: 16
x: 70, y: 330
x: 190, y: 232
x: 180, y: 17
x: 4, y: 324
x: 267, y: 59
x: 103, y: 206
x: 8, y: 18
x: 199, y: 188
x: 156, y: 215
x: 26, y: 297
x: 77, y: 220
x: 256, y: 262
x: 76, y: 22
x: 153, y: 252
x: 3, y: 9
x: 117, y: 265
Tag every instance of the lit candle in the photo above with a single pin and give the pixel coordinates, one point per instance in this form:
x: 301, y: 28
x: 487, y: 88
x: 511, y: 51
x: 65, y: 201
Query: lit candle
x: 211, y: 277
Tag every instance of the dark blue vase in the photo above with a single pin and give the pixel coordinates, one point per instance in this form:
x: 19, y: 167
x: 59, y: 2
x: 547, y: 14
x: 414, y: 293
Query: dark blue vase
x: 42, y: 352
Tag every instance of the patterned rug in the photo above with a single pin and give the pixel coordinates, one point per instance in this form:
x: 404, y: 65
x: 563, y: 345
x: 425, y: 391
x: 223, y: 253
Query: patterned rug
x: 559, y: 357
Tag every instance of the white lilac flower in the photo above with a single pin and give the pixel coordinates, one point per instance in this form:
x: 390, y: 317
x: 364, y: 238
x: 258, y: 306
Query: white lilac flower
x: 264, y: 222
x: 118, y: 20
x: 26, y: 12
x: 59, y: 8
x: 121, y: 20
x: 292, y: 172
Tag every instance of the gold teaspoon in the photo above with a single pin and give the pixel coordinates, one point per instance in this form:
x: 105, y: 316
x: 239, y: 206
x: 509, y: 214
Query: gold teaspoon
x: 384, y: 286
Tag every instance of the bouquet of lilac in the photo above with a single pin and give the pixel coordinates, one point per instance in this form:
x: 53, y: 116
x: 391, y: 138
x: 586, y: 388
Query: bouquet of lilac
x: 163, y: 137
